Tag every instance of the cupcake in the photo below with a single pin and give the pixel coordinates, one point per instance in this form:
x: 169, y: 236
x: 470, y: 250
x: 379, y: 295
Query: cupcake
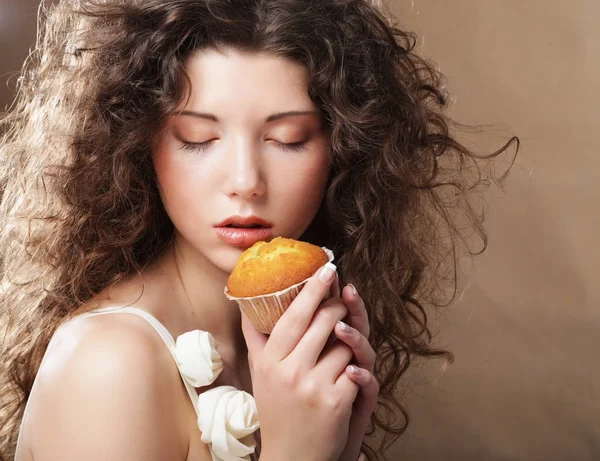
x: 268, y: 276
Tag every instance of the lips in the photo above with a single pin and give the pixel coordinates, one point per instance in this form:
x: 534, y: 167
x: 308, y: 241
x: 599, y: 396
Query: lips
x: 244, y: 231
x: 244, y: 238
x: 244, y: 222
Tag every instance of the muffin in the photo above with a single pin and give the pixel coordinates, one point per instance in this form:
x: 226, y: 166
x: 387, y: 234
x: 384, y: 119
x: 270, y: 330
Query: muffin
x: 268, y: 276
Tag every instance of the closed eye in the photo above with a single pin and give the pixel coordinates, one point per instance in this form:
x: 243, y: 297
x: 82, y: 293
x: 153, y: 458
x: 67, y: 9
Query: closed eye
x: 197, y: 146
x: 294, y: 146
x: 202, y: 146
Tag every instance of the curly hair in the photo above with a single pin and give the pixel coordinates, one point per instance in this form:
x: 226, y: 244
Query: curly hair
x: 80, y: 208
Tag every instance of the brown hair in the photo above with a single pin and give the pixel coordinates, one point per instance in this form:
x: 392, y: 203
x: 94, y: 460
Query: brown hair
x: 80, y: 208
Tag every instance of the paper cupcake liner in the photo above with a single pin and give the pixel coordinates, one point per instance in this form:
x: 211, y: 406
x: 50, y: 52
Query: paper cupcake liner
x: 265, y: 310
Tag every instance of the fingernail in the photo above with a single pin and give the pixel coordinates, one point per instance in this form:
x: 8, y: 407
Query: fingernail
x: 352, y: 369
x: 354, y: 292
x: 344, y: 327
x: 327, y: 272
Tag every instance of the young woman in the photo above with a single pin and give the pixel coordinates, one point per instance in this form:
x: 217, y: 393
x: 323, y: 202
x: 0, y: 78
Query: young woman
x: 144, y: 135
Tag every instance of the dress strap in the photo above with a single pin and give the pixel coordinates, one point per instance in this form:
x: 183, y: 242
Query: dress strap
x: 162, y: 332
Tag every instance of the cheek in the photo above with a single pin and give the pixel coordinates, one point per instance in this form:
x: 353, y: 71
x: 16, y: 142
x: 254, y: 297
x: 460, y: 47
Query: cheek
x: 163, y: 168
x: 314, y: 179
x: 316, y: 173
x: 177, y: 183
x: 166, y: 171
x: 301, y: 190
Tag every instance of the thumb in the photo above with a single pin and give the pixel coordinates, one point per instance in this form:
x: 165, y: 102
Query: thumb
x: 255, y: 340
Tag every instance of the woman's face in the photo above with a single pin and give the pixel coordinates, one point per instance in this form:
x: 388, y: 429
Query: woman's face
x: 249, y: 144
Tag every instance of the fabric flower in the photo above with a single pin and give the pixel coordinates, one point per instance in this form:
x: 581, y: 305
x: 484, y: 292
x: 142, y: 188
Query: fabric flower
x: 227, y: 418
x: 197, y: 357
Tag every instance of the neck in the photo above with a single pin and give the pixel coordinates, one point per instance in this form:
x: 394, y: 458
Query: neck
x: 198, y: 287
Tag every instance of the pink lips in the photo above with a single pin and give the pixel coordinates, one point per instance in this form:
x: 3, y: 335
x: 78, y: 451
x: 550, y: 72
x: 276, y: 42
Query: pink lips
x: 239, y: 233
x: 243, y: 237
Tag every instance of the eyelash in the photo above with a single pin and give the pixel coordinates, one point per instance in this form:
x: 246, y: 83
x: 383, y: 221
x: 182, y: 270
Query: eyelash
x: 196, y: 146
x: 294, y: 146
x: 202, y: 146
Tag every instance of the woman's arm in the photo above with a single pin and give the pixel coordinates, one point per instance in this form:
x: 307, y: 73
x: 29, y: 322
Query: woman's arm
x: 105, y: 394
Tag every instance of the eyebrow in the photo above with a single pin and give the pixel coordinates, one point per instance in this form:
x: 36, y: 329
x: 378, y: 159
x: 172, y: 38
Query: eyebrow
x: 270, y: 118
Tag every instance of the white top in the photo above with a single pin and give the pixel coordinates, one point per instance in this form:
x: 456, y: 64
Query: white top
x: 227, y: 417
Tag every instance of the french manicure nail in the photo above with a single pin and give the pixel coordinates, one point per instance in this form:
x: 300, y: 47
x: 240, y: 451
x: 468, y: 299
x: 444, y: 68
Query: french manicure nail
x: 327, y: 272
x: 344, y: 327
x: 354, y: 370
x: 354, y: 292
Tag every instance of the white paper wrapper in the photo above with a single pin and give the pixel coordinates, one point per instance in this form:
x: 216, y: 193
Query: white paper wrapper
x: 265, y: 310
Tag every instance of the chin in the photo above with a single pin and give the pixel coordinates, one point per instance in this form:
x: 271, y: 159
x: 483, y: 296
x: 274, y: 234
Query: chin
x: 225, y: 257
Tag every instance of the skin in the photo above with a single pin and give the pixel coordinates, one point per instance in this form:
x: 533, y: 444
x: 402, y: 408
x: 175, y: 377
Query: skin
x: 235, y: 159
x: 243, y: 170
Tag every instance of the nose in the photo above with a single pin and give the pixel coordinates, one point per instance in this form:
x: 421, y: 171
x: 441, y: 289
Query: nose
x: 244, y: 175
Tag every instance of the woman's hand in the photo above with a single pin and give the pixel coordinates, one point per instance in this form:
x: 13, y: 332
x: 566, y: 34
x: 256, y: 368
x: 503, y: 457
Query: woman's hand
x: 355, y: 333
x: 302, y: 390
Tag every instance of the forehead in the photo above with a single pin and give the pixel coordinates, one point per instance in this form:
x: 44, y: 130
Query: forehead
x: 232, y: 80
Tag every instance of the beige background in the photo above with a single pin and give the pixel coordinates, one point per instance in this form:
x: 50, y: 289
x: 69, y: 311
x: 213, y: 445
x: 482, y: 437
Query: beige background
x: 525, y: 384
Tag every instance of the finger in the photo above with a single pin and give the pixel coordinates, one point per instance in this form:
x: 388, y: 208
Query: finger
x: 363, y: 351
x: 368, y: 392
x: 295, y: 320
x: 333, y: 362
x: 346, y: 388
x: 334, y: 291
x: 363, y: 407
x: 255, y: 340
x: 357, y: 312
x: 309, y: 347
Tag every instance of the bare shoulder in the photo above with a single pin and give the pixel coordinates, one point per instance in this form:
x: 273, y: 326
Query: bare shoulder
x: 106, y: 391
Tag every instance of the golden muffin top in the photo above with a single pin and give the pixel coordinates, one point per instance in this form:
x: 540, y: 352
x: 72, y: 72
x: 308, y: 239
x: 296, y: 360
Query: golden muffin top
x: 265, y: 268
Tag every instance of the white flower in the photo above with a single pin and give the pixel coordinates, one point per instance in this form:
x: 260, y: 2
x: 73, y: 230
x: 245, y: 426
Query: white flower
x: 227, y: 418
x: 198, y: 358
